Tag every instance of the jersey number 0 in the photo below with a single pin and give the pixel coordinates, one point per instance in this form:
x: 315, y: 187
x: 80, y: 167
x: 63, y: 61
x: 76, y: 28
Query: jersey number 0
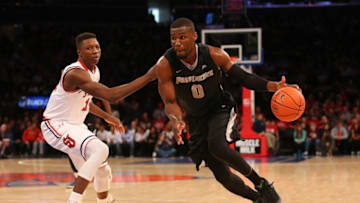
x: 197, y: 91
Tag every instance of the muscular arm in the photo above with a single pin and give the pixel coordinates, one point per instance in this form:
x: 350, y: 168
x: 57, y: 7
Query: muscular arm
x: 167, y: 90
x: 97, y: 111
x: 80, y: 79
x: 107, y: 106
x: 250, y: 81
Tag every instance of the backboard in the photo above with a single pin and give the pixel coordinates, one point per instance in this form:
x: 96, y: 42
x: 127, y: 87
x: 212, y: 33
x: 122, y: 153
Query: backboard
x: 243, y: 43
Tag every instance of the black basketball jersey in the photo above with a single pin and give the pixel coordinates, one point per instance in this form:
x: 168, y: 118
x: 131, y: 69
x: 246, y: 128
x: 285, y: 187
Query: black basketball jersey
x: 200, y: 89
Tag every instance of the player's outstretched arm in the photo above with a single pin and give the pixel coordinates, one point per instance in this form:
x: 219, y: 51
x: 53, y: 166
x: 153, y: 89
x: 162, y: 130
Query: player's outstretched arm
x: 249, y: 80
x: 79, y: 79
x: 167, y: 92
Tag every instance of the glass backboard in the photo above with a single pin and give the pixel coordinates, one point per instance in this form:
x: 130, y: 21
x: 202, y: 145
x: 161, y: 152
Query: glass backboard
x: 243, y: 43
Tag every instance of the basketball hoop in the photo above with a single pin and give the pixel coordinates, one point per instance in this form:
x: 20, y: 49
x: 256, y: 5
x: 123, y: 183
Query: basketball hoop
x: 234, y: 58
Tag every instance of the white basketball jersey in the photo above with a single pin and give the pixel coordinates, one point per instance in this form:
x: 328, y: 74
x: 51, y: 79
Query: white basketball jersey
x: 70, y: 106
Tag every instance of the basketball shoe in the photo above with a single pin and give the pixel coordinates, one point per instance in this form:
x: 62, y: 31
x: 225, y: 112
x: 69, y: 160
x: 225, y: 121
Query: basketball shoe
x: 260, y: 200
x: 267, y: 192
x: 109, y: 199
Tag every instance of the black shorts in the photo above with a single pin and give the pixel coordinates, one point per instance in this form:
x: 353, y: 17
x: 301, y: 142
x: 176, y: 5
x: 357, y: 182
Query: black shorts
x: 221, y: 125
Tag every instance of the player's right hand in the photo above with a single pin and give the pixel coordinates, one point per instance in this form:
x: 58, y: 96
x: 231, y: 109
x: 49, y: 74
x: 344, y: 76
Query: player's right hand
x: 282, y: 83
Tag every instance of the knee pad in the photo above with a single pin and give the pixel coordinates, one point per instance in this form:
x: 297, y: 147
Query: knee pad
x: 102, y: 179
x: 96, y: 153
x: 98, y: 149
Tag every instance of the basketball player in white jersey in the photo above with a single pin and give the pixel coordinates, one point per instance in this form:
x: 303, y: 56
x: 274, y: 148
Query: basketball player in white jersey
x: 63, y: 125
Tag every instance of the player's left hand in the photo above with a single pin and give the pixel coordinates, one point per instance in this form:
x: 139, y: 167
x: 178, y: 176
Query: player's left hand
x: 177, y: 129
x: 178, y: 126
x: 111, y: 120
x: 283, y: 83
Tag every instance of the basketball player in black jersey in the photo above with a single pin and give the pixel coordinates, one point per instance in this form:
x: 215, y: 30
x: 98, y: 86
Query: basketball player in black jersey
x: 189, y: 79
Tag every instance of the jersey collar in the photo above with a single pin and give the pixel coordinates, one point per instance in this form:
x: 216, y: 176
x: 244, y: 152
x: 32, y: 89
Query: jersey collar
x: 192, y: 66
x: 85, y: 67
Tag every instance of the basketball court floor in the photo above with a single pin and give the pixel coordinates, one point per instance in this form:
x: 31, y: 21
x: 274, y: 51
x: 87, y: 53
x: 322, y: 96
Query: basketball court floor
x: 175, y: 180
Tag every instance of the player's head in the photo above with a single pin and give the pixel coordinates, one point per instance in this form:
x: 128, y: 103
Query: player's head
x: 183, y: 37
x: 88, y: 48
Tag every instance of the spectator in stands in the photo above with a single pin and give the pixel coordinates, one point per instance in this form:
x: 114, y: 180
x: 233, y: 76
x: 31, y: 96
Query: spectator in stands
x: 115, y: 141
x: 18, y: 131
x: 5, y: 140
x: 159, y: 123
x: 128, y: 140
x: 272, y: 136
x: 102, y: 133
x: 327, y: 142
x: 355, y: 139
x: 299, y: 140
x: 159, y: 112
x: 312, y: 144
x: 33, y: 139
x: 140, y: 140
x: 259, y: 125
x: 341, y: 136
x: 165, y: 147
x: 151, y: 141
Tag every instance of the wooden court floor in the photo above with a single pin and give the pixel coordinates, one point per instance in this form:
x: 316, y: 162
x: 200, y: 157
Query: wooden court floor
x: 139, y: 180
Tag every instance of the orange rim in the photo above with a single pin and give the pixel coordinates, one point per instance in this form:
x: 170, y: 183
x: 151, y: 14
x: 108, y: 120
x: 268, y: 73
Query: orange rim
x: 234, y: 58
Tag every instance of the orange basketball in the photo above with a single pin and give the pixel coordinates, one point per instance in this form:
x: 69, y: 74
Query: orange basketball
x: 288, y: 104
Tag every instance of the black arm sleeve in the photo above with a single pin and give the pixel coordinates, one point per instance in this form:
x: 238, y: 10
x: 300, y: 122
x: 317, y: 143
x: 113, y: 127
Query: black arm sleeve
x: 250, y: 81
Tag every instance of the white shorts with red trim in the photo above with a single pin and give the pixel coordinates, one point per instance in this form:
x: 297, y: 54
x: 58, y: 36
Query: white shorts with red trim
x: 69, y: 138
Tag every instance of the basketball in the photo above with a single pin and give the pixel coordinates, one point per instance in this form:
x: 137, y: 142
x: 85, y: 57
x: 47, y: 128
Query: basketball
x: 288, y: 104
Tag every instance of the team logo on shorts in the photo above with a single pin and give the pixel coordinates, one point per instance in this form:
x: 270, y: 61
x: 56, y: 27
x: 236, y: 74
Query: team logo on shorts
x: 68, y: 141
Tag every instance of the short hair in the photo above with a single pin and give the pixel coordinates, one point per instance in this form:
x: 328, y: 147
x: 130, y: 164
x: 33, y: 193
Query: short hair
x: 181, y: 22
x: 83, y: 36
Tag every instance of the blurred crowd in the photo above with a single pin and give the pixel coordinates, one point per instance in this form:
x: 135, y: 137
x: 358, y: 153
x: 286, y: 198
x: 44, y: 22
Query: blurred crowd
x: 316, y: 50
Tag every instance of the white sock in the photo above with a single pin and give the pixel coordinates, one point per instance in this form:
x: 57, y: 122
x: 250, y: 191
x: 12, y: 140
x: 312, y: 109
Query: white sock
x: 75, y: 197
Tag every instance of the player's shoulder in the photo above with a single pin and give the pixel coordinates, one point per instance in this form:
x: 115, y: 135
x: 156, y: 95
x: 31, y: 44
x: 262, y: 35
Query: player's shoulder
x: 163, y: 62
x: 218, y: 55
x: 215, y: 50
x: 77, y: 74
x: 163, y: 68
x: 75, y: 64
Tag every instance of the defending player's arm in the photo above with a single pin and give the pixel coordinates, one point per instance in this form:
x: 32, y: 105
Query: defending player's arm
x: 107, y: 106
x: 167, y: 92
x: 94, y: 109
x: 80, y: 79
x: 250, y: 81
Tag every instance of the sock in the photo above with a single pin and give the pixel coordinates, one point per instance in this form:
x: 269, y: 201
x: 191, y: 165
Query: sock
x: 254, y: 177
x: 75, y: 197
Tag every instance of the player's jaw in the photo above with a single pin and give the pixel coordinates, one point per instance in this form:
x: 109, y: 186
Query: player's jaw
x: 182, y: 54
x: 91, y: 60
x: 182, y: 51
x: 96, y: 58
